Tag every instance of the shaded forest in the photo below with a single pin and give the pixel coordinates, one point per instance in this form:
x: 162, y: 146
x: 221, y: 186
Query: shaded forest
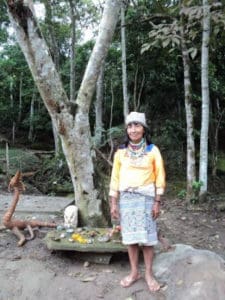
x: 142, y: 71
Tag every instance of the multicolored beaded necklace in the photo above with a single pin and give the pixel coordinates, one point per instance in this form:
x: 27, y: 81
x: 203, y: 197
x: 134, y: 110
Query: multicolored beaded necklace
x: 135, y: 151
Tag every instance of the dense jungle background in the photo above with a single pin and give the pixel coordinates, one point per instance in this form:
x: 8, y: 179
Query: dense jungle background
x: 66, y: 86
x: 148, y: 73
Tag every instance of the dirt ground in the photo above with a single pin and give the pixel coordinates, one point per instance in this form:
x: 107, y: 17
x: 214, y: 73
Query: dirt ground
x: 199, y: 226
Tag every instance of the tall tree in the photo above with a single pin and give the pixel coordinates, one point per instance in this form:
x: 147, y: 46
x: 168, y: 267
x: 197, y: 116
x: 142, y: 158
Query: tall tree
x: 53, y: 45
x: 72, y: 50
x: 71, y: 120
x: 124, y: 63
x: 203, y: 162
x: 98, y: 107
x: 190, y: 153
x: 31, y: 118
x: 174, y: 32
x: 20, y: 98
x: 12, y: 104
x: 52, y: 35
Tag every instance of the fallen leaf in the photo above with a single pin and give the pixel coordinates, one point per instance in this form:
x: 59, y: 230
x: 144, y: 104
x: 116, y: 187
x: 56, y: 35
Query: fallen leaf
x: 164, y: 288
x: 88, y: 279
x: 179, y: 282
x: 86, y: 264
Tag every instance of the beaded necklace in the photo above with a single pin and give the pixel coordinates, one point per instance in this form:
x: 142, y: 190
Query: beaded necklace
x: 135, y: 151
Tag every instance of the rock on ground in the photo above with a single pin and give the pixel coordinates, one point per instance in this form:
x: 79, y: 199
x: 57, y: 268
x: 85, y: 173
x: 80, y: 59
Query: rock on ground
x: 191, y: 274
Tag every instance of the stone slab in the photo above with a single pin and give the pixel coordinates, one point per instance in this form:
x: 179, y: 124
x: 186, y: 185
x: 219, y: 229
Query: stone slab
x: 54, y: 242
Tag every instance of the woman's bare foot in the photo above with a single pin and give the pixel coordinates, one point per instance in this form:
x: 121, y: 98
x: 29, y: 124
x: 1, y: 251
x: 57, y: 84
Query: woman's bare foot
x: 153, y: 285
x: 129, y: 280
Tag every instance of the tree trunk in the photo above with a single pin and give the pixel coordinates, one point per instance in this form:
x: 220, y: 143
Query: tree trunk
x: 98, y: 107
x: 12, y: 108
x: 124, y: 64
x: 137, y: 98
x: 7, y: 159
x: 72, y: 50
x: 110, y: 124
x: 191, y: 165
x: 215, y: 126
x: 54, y: 49
x: 52, y: 34
x: 71, y: 121
x: 31, y: 119
x: 203, y: 162
x: 20, y: 98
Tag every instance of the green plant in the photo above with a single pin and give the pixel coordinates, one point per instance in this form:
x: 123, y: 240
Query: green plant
x: 182, y: 194
x: 196, y: 185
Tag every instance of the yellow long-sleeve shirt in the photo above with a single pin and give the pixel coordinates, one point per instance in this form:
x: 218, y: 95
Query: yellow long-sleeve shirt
x: 148, y: 171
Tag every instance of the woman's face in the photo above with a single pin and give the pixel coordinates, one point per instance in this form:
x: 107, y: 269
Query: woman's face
x: 135, y: 132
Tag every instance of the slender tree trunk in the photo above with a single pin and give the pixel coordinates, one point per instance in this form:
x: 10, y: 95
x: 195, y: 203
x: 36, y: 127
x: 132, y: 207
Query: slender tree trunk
x: 140, y: 91
x: 7, y: 159
x: 110, y: 123
x: 216, y: 123
x: 135, y: 89
x: 72, y: 51
x: 203, y: 162
x: 55, y: 54
x: 71, y: 121
x: 31, y: 119
x: 12, y: 108
x: 137, y: 95
x: 20, y: 98
x: 191, y: 165
x: 124, y: 64
x: 98, y: 107
x: 52, y: 39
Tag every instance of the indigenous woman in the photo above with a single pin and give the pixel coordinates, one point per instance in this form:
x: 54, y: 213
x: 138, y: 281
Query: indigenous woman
x: 137, y: 183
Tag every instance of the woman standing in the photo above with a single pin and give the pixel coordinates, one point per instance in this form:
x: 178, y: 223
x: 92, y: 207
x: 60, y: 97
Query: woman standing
x: 137, y: 183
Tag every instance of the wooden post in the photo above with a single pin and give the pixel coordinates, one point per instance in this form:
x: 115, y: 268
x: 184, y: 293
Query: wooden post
x: 7, y: 158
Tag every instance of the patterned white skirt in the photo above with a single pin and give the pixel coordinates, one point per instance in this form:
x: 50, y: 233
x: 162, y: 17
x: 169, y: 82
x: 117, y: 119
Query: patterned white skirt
x: 137, y: 224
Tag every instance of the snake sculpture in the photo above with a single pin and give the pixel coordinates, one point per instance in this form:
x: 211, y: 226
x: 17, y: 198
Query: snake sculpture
x: 16, y: 225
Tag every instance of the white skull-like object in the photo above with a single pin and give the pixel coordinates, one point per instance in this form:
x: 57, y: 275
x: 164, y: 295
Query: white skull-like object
x: 71, y: 216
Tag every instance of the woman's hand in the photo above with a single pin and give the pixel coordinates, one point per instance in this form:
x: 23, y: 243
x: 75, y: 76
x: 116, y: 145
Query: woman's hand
x: 156, y: 209
x: 114, y: 208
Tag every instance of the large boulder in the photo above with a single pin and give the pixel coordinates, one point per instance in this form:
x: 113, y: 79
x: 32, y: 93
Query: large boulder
x: 191, y: 274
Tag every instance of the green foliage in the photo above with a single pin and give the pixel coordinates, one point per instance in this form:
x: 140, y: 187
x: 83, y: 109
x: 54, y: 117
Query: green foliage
x: 83, y: 53
x: 155, y: 73
x: 16, y: 83
x: 56, y: 170
x: 114, y: 133
x: 41, y: 120
x: 19, y: 159
x: 4, y: 23
x: 196, y: 186
x: 182, y: 194
x: 221, y: 162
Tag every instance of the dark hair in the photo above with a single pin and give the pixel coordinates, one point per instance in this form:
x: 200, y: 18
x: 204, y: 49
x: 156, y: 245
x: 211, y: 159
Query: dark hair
x: 146, y: 135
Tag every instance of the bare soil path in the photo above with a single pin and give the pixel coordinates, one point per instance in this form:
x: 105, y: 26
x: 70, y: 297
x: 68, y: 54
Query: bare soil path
x: 34, y: 272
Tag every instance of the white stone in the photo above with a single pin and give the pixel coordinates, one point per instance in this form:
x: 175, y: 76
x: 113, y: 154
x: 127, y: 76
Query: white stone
x: 71, y: 216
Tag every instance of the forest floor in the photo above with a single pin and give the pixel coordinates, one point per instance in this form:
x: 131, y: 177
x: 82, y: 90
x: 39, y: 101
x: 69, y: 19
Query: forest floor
x: 202, y: 226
